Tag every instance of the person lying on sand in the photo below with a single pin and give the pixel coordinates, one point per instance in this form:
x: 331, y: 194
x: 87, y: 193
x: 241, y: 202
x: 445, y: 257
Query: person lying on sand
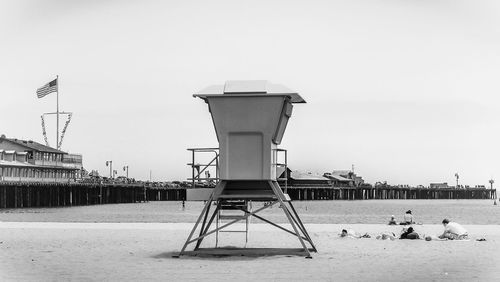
x: 434, y: 238
x: 453, y: 231
x: 349, y: 233
x: 352, y: 234
x: 392, y: 221
x: 409, y: 234
x: 386, y: 235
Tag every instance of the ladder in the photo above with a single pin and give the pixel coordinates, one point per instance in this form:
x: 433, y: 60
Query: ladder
x: 230, y: 210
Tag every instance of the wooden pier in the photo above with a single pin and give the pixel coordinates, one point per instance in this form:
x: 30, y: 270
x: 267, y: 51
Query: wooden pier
x: 39, y: 194
x: 304, y: 192
x: 35, y: 194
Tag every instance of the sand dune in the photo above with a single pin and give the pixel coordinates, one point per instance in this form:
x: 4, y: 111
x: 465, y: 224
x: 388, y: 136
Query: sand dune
x: 142, y: 251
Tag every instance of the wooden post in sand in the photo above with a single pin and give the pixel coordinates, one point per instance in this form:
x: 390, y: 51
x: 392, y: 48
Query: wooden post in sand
x: 4, y: 198
x: 28, y: 200
x: 21, y: 196
x: 15, y: 196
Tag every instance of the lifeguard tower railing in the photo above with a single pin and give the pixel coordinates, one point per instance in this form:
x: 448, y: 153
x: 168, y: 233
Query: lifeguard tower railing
x: 198, y: 169
x: 199, y: 180
x: 280, y: 157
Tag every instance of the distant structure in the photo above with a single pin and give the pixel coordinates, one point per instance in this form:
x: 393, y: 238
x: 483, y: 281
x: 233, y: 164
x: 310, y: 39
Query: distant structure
x: 26, y: 160
x: 297, y: 178
x: 443, y: 185
x: 344, y: 177
x: 337, y: 178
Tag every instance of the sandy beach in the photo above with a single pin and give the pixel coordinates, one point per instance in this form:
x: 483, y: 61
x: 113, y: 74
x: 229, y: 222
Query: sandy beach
x: 48, y: 251
x: 481, y: 212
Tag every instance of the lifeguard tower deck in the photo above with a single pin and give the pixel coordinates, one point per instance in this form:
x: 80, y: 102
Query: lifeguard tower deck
x: 250, y: 118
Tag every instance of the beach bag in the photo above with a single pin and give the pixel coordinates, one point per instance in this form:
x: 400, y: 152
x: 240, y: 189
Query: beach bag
x: 412, y: 236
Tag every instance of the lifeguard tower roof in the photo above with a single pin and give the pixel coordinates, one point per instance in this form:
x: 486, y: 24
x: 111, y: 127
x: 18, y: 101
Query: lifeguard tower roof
x: 249, y: 87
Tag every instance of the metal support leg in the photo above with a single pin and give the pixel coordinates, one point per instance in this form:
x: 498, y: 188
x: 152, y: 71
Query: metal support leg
x: 203, y: 226
x: 225, y: 225
x: 303, y: 227
x: 209, y: 202
x: 208, y: 226
x: 272, y: 223
x: 217, y: 227
x: 289, y: 216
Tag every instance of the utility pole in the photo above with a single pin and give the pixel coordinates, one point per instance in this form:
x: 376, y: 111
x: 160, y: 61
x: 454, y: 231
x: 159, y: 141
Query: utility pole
x: 491, y: 181
x: 125, y: 168
x: 57, y: 114
x: 110, y: 164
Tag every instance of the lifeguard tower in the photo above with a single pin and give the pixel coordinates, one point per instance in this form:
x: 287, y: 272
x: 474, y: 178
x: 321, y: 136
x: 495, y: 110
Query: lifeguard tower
x: 250, y: 118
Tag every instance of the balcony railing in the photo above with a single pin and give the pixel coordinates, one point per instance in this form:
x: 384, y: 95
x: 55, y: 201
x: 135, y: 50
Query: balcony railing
x: 36, y: 179
x: 68, y: 161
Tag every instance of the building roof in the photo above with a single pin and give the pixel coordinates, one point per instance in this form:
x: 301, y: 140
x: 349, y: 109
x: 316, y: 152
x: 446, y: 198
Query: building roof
x: 339, y: 178
x: 301, y: 175
x: 341, y: 172
x: 35, y: 146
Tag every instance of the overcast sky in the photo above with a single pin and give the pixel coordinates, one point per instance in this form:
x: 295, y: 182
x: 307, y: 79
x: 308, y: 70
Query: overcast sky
x: 407, y: 91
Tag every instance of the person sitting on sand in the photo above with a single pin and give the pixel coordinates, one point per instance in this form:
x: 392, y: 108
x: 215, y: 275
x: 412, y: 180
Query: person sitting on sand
x: 409, y: 234
x: 408, y: 218
x: 453, y: 231
x: 392, y: 221
x: 386, y: 235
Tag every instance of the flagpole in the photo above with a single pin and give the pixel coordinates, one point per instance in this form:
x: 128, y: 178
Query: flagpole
x: 57, y: 129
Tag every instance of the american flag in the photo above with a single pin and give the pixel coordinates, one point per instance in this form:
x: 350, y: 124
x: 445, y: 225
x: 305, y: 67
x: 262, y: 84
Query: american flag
x: 47, y: 89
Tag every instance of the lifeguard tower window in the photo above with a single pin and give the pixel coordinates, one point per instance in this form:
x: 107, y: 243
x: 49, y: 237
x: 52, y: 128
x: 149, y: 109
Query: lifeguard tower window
x: 287, y: 113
